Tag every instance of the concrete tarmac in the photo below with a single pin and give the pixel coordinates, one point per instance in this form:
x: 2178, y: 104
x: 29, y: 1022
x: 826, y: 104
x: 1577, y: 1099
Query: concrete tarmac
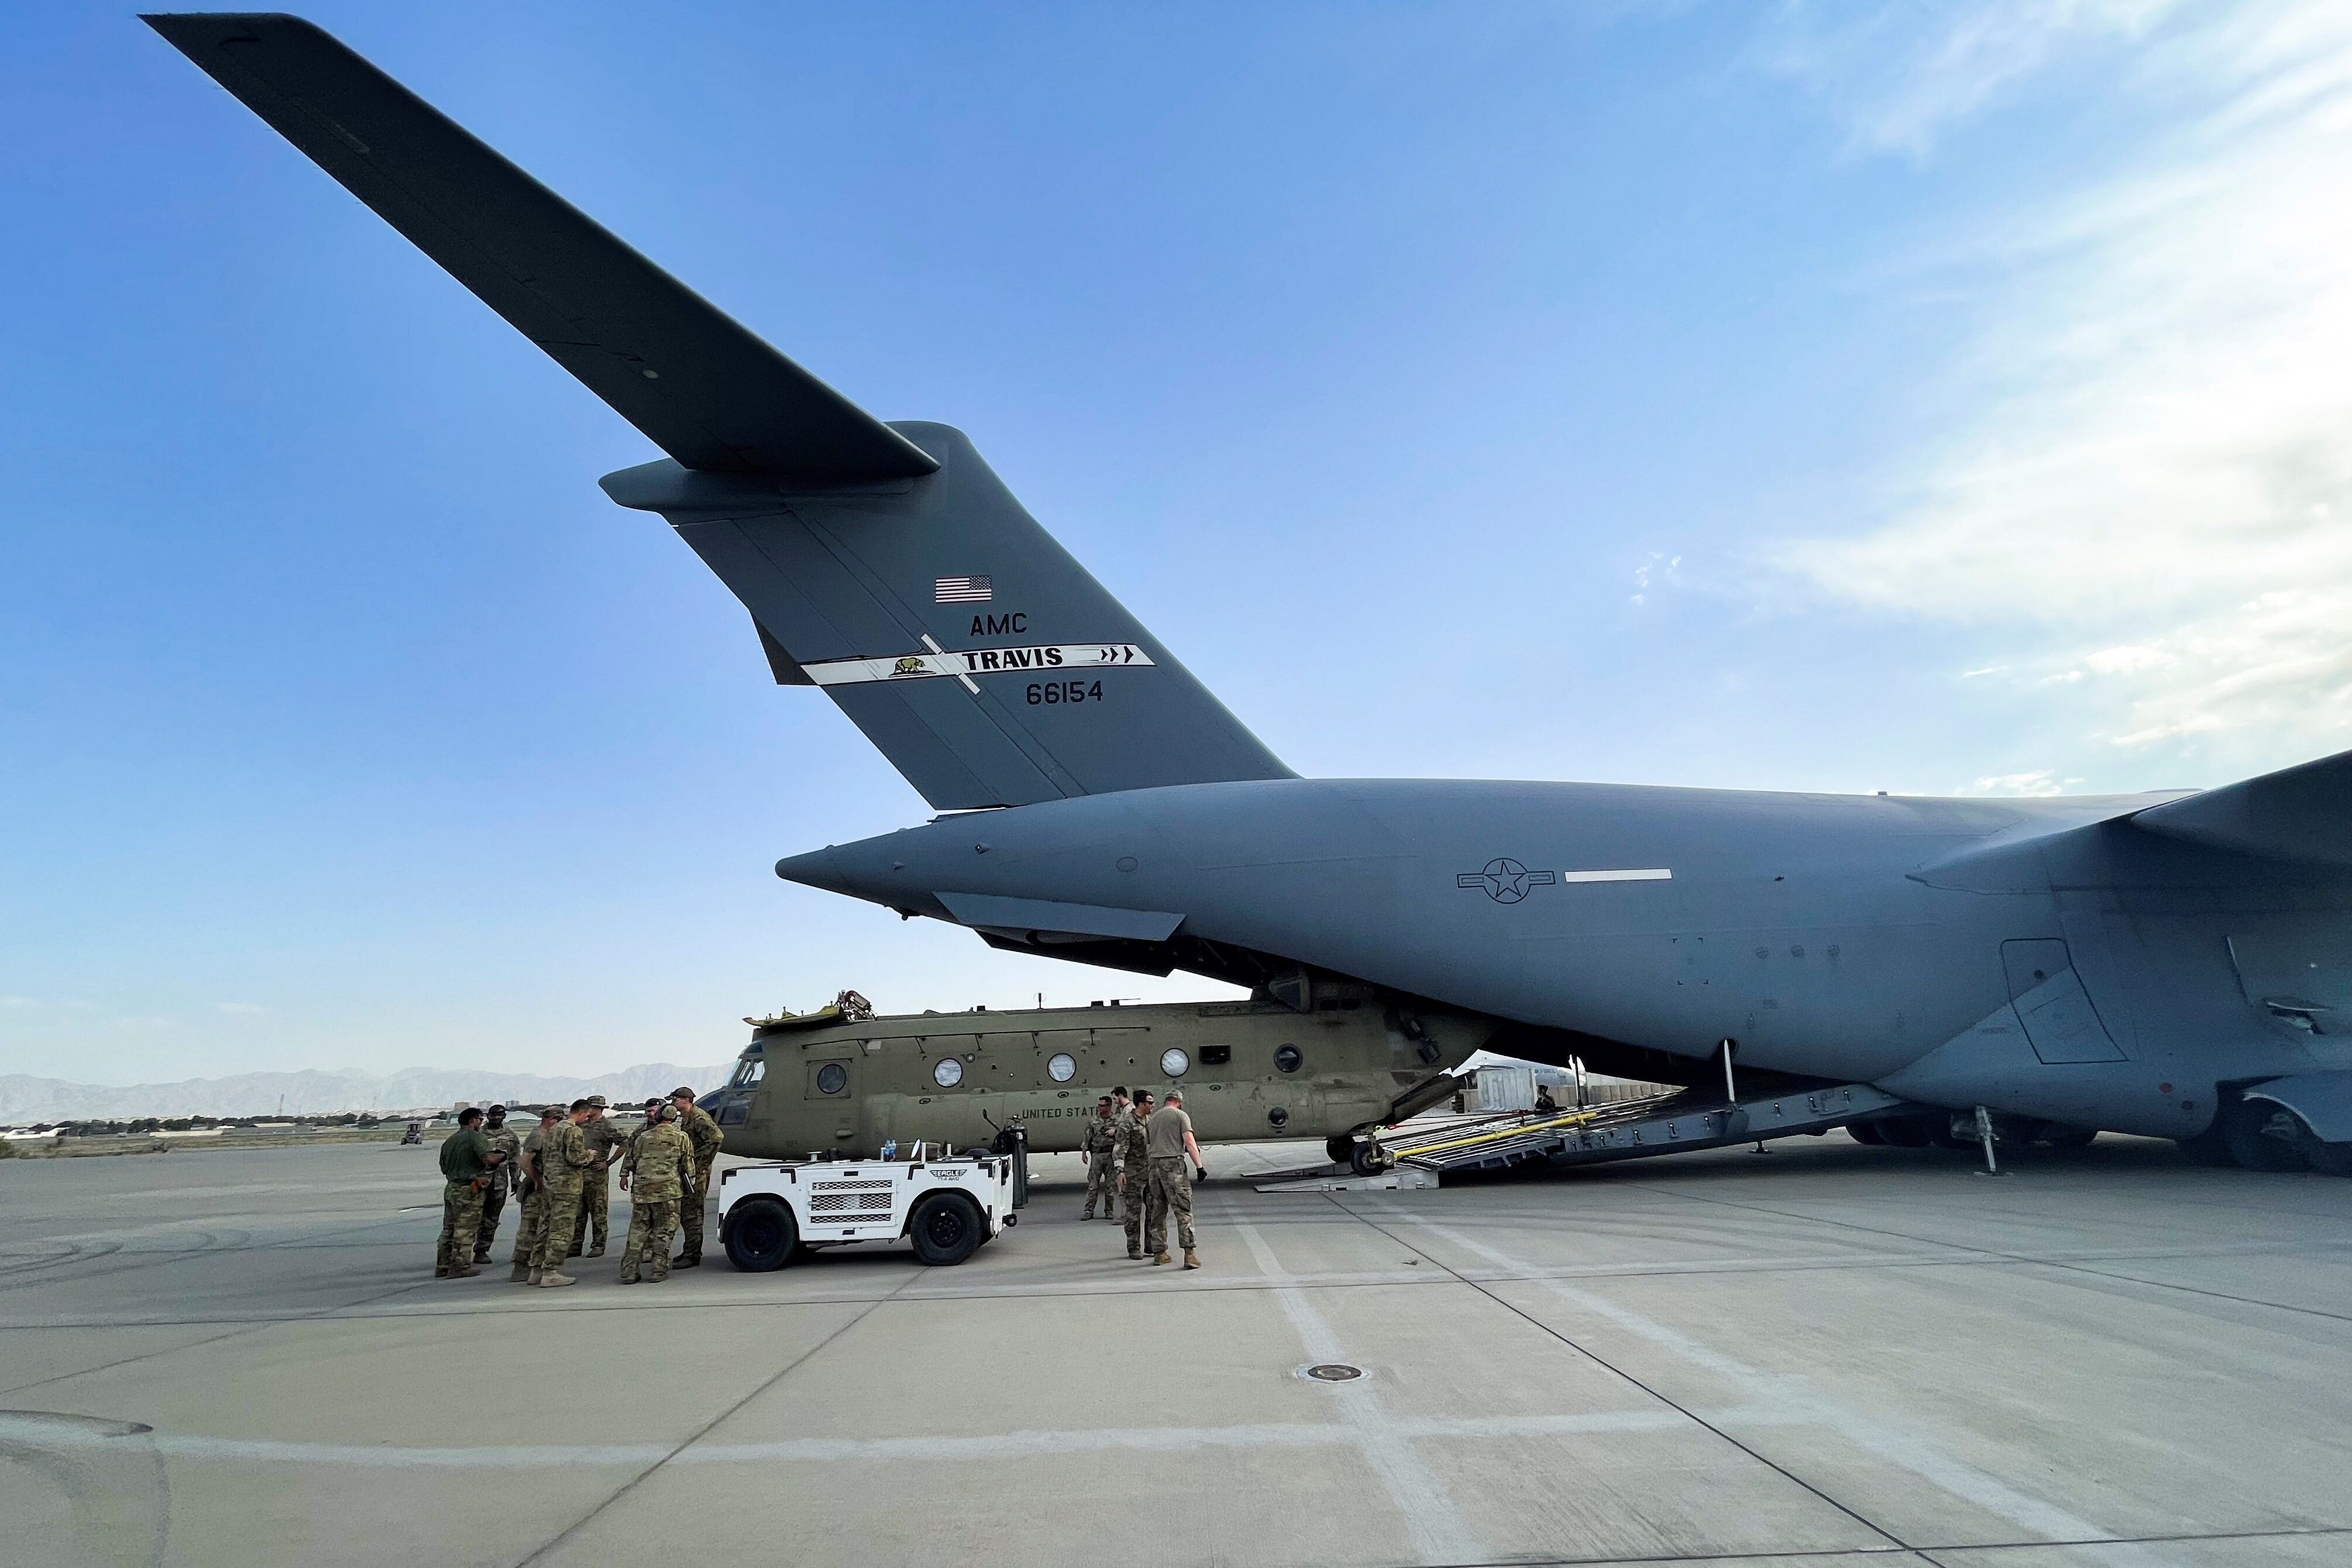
x: 1829, y: 1355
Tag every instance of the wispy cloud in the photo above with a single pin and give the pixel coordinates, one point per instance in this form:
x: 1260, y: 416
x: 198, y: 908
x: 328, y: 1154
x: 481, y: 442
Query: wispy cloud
x: 2149, y: 502
x: 2039, y: 781
x: 1898, y: 76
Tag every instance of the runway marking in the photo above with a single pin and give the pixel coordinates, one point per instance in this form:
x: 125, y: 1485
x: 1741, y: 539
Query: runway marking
x: 41, y: 1429
x: 1794, y: 1395
x: 1433, y: 1523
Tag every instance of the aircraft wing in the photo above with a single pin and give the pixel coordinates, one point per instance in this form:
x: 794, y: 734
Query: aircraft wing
x: 2302, y: 813
x: 707, y: 391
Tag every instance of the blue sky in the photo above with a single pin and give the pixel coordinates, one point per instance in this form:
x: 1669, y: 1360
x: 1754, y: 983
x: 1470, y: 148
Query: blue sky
x: 1937, y: 399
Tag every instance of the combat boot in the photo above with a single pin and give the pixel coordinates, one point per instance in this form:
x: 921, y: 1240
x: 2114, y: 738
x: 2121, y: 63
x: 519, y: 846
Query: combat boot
x: 1135, y: 1252
x: 465, y: 1272
x: 521, y: 1273
x: 597, y: 1250
x: 1192, y: 1258
x: 551, y: 1280
x: 687, y: 1263
x: 1157, y: 1261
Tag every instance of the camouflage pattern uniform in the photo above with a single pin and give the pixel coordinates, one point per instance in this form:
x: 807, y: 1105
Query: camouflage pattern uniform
x: 1171, y: 1183
x: 659, y: 1158
x: 564, y: 1161
x: 465, y: 1159
x: 704, y: 1134
x: 534, y: 1207
x: 596, y: 1188
x: 1102, y: 1172
x: 507, y: 1142
x: 1134, y: 1177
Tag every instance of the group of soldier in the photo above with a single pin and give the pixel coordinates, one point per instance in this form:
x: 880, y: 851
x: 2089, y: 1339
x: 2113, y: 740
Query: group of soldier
x: 1146, y: 1159
x: 561, y: 1174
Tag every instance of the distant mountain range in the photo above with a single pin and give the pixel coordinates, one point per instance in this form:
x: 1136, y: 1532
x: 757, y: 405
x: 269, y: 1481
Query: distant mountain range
x: 24, y: 1098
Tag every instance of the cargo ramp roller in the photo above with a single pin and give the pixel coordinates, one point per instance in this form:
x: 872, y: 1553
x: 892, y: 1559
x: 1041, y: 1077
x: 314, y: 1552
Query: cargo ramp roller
x: 1631, y: 1129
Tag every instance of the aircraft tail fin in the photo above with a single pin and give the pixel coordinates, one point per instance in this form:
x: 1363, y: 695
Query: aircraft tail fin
x: 972, y: 648
x: 2302, y: 813
x: 707, y: 391
x: 885, y: 563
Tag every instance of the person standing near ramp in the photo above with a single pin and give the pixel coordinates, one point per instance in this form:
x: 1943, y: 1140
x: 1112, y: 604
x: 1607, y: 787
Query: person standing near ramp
x: 1101, y: 1152
x: 506, y: 1144
x: 704, y: 1134
x: 652, y: 1174
x: 465, y: 1162
x: 597, y: 1189
x: 1135, y: 1168
x: 563, y: 1162
x: 1167, y: 1139
x: 534, y: 1191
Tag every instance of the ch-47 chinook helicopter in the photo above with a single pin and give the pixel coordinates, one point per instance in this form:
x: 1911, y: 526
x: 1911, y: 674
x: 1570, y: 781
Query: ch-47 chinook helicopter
x: 844, y: 1082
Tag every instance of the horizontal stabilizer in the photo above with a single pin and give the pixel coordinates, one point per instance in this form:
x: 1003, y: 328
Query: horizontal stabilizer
x: 706, y: 390
x: 2302, y: 813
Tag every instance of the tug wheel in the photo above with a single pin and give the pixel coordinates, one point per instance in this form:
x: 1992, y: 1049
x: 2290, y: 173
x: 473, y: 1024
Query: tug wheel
x: 946, y: 1228
x: 761, y: 1235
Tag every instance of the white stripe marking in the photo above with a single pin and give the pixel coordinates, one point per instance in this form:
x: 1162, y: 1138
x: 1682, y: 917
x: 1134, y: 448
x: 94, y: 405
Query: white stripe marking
x: 34, y: 1432
x: 1076, y: 658
x: 1799, y: 1405
x: 1654, y: 874
x: 1432, y: 1522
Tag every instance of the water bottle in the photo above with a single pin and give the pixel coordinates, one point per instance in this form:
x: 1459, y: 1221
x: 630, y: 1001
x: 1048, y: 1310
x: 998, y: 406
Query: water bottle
x: 890, y: 1150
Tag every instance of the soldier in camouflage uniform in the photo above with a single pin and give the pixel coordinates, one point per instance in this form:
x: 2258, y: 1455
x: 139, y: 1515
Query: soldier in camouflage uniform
x: 1135, y: 1167
x: 651, y: 1173
x: 533, y: 1192
x: 505, y: 1140
x: 704, y: 1134
x: 465, y: 1164
x: 1101, y: 1152
x: 1174, y: 1155
x: 596, y: 1191
x: 564, y: 1164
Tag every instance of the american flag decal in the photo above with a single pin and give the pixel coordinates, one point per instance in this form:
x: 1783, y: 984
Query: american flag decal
x: 962, y: 590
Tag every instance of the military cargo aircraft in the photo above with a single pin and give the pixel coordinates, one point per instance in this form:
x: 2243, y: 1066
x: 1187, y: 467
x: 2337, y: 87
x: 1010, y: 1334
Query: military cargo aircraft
x: 2178, y: 966
x: 1252, y: 1072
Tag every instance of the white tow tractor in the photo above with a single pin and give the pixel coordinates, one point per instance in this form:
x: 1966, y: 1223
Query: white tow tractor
x: 946, y: 1206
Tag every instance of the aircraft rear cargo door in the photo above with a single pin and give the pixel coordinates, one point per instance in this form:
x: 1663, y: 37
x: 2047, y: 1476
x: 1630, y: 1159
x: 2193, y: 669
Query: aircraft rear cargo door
x: 2056, y: 1011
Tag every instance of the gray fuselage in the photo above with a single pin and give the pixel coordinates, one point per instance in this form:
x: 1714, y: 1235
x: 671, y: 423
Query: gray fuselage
x: 2035, y: 957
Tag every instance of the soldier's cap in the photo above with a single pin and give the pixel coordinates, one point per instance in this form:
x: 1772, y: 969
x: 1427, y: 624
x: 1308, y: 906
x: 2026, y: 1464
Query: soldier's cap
x: 664, y: 1113
x: 598, y: 1100
x: 498, y: 1111
x: 551, y: 1113
x: 681, y: 1089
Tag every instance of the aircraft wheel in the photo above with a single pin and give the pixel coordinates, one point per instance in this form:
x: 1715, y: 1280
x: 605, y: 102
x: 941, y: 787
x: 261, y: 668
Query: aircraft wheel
x: 1339, y: 1148
x: 2245, y: 1128
x: 2059, y: 1137
x: 1905, y: 1132
x: 945, y: 1227
x: 2328, y: 1158
x: 761, y: 1235
x: 1365, y: 1161
x: 1865, y: 1132
x: 2210, y: 1147
x: 1940, y: 1133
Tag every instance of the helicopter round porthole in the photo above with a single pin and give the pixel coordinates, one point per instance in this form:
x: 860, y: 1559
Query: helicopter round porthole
x: 1061, y: 1067
x: 1174, y: 1062
x: 1288, y: 1059
x: 832, y: 1078
x: 949, y: 1073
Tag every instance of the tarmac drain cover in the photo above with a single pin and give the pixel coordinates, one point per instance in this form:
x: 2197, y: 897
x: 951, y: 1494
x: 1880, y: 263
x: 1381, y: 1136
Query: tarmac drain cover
x: 1334, y: 1372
